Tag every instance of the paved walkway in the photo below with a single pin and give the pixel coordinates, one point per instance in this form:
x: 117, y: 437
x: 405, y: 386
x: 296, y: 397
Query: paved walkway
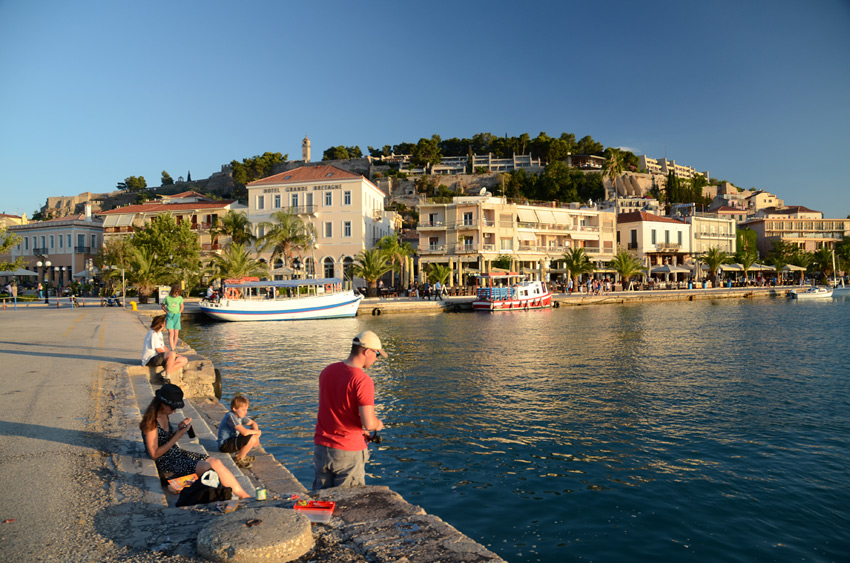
x: 78, y: 486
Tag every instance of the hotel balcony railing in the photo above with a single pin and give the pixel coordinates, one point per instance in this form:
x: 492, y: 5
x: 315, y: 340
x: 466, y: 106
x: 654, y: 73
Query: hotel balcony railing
x: 631, y: 246
x: 665, y: 246
x: 302, y: 209
x: 82, y: 249
x: 39, y: 250
x: 466, y: 248
x: 433, y: 249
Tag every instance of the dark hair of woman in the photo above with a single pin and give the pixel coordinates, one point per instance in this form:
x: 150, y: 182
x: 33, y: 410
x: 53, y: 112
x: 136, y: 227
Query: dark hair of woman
x: 148, y: 422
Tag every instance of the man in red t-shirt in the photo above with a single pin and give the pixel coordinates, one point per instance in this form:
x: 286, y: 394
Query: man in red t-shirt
x: 346, y: 416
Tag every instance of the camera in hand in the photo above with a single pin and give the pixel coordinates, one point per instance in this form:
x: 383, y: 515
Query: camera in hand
x: 375, y: 438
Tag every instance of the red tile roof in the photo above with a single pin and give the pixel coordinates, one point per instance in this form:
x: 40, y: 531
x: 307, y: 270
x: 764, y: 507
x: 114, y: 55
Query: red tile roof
x: 303, y: 174
x: 189, y: 193
x: 154, y: 207
x: 638, y: 216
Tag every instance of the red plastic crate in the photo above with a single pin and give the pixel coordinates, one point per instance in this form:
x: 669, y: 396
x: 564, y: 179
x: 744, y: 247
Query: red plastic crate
x: 319, y: 511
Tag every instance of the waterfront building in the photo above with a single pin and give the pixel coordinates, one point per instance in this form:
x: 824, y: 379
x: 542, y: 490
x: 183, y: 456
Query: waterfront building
x: 344, y: 210
x: 807, y: 233
x: 201, y: 212
x: 654, y: 239
x: 737, y: 214
x: 663, y: 167
x: 68, y: 243
x: 711, y: 231
x: 787, y: 212
x: 471, y: 232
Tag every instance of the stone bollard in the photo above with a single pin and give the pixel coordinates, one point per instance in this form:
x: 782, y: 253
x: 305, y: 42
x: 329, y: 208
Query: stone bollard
x: 257, y: 534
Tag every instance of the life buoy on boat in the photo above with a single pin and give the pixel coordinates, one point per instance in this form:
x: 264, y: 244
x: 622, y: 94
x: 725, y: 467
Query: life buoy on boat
x: 231, y: 293
x: 328, y: 288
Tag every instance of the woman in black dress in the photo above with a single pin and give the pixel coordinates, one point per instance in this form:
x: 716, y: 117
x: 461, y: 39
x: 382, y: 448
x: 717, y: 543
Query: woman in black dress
x: 161, y: 438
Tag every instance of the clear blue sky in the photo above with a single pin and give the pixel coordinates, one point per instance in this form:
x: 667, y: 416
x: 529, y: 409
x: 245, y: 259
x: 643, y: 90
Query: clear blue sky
x: 757, y: 93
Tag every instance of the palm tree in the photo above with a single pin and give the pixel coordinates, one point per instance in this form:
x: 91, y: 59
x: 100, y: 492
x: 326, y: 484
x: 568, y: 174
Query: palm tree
x: 234, y: 225
x: 397, y: 252
x: 371, y: 265
x: 286, y: 233
x: 577, y: 263
x: 236, y: 262
x: 146, y: 271
x: 822, y: 261
x: 626, y: 265
x: 613, y: 167
x: 747, y: 259
x: 713, y: 259
x: 438, y: 273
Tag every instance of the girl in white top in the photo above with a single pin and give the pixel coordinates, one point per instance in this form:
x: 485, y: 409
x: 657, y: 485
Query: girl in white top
x: 154, y: 352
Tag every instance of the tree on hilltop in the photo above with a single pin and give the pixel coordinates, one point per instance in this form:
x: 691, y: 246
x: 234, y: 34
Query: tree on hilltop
x: 167, y: 180
x: 133, y: 184
x: 256, y: 167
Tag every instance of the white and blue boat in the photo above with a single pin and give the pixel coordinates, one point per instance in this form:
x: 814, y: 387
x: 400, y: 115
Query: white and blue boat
x: 283, y: 300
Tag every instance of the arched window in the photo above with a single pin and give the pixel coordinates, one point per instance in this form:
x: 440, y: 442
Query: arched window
x: 328, y: 266
x: 347, y: 264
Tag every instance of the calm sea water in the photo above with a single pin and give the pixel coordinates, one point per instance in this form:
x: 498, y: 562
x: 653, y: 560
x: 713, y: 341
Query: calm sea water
x: 704, y: 431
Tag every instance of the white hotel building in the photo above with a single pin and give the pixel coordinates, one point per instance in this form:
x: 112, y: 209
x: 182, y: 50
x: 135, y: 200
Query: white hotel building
x: 345, y: 210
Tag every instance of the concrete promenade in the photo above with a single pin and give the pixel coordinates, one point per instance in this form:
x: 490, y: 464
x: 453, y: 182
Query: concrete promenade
x: 79, y: 487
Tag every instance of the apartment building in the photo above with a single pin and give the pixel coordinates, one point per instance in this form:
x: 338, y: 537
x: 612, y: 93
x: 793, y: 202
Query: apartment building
x: 808, y: 234
x: 663, y: 167
x: 471, y: 232
x: 709, y: 231
x: 344, y: 210
x: 201, y: 212
x: 63, y: 246
x: 660, y: 240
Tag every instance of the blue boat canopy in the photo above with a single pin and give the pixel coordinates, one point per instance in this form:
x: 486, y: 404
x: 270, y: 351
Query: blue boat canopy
x: 284, y: 283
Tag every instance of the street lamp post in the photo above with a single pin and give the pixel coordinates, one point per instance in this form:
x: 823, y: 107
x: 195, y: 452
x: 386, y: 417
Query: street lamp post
x: 46, y: 264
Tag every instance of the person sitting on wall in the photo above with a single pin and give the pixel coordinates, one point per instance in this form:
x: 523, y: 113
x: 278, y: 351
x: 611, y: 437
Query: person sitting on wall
x: 154, y: 352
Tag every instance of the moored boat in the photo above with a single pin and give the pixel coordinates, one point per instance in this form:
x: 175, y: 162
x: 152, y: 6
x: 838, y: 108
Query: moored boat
x: 811, y: 293
x: 283, y: 300
x: 510, y: 292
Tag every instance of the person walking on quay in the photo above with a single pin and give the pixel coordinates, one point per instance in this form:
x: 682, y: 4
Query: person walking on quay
x: 438, y: 290
x: 173, y: 308
x: 346, y: 416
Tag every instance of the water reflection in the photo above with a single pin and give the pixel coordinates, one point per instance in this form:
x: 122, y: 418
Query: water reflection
x: 586, y: 433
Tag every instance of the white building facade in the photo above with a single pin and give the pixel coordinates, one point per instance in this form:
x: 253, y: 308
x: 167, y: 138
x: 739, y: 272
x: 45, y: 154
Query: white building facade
x: 345, y: 210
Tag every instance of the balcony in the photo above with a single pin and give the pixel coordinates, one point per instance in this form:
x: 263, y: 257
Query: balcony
x: 303, y: 209
x: 467, y: 225
x: 668, y: 246
x: 465, y: 249
x: 433, y: 249
x: 632, y: 246
x: 714, y: 235
x: 39, y: 251
x: 432, y: 225
x: 82, y: 249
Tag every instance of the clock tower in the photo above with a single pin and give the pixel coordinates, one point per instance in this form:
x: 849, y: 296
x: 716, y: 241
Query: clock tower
x: 305, y: 149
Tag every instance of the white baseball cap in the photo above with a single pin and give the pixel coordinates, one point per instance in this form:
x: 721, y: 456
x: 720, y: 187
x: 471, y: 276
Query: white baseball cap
x: 369, y: 339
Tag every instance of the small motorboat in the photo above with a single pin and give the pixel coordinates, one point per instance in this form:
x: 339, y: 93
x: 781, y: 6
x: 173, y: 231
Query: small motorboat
x: 811, y: 293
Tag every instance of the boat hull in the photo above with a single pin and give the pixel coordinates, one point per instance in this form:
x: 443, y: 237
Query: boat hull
x: 305, y: 308
x: 808, y: 295
x: 499, y: 305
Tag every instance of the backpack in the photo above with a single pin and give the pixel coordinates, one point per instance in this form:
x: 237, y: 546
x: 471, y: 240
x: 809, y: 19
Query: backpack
x: 204, y: 490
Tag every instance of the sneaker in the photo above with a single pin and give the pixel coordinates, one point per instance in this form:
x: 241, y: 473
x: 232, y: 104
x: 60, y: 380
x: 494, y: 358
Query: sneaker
x: 243, y: 463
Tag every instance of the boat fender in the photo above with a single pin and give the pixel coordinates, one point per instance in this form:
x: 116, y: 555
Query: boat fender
x: 556, y: 304
x: 376, y: 312
x: 456, y: 308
